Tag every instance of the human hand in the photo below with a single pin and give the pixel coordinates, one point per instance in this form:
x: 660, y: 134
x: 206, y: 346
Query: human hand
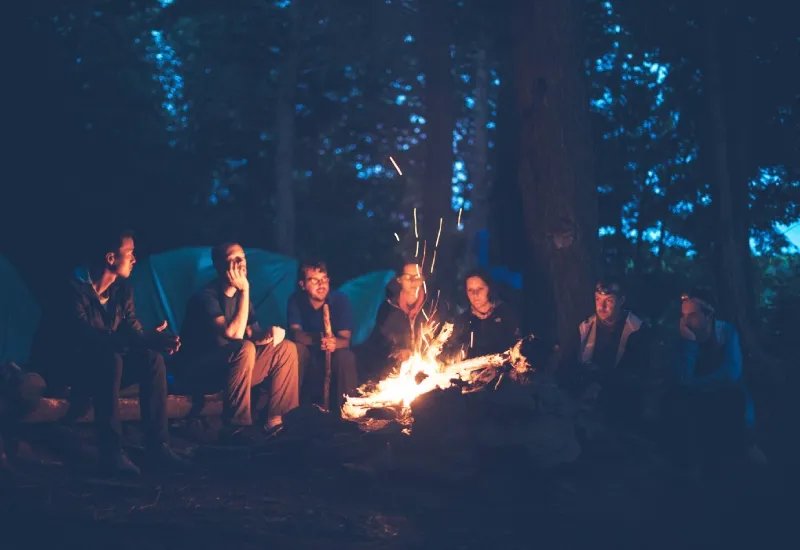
x: 161, y: 341
x: 686, y: 332
x: 327, y: 343
x: 237, y: 277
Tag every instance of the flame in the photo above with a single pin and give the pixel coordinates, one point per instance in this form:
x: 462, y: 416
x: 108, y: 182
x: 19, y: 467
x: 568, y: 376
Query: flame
x: 422, y: 373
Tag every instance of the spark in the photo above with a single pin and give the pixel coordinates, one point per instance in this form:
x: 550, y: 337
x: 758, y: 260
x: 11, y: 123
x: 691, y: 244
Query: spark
x: 440, y: 232
x: 416, y: 233
x: 416, y: 294
x: 433, y: 263
x: 460, y: 210
x: 418, y: 272
x: 396, y: 167
x: 424, y: 251
x: 416, y: 252
x: 471, y: 334
x: 396, y: 236
x: 425, y: 287
x: 425, y: 314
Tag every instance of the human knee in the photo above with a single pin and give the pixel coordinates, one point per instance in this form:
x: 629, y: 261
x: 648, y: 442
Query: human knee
x: 243, y: 354
x: 287, y: 351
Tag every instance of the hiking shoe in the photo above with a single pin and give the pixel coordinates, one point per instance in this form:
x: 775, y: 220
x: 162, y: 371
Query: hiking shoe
x: 163, y: 455
x: 118, y: 463
x: 272, y: 433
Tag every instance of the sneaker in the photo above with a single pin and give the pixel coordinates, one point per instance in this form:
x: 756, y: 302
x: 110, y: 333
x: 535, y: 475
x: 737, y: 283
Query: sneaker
x: 163, y: 455
x: 118, y: 463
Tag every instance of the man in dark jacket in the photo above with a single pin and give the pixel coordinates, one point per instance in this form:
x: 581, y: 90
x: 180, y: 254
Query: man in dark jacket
x: 614, y: 355
x: 90, y: 339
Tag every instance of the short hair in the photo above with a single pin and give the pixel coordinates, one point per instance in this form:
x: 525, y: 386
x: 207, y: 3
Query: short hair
x: 705, y: 297
x: 484, y: 275
x: 403, y: 262
x: 309, y: 264
x: 219, y: 253
x: 610, y: 285
x: 109, y: 242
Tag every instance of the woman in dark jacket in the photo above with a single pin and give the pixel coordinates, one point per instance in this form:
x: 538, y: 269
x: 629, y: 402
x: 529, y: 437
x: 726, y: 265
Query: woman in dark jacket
x: 489, y: 326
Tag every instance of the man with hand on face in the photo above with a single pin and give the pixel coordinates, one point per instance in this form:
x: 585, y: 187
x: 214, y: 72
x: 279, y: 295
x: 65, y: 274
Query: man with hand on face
x: 305, y: 319
x: 90, y: 339
x: 224, y: 348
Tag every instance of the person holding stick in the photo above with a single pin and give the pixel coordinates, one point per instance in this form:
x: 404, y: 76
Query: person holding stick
x: 325, y: 357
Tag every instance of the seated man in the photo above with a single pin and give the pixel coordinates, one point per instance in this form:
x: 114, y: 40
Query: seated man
x: 90, y: 339
x: 614, y: 353
x: 304, y: 317
x: 710, y: 403
x: 224, y: 348
x: 489, y: 326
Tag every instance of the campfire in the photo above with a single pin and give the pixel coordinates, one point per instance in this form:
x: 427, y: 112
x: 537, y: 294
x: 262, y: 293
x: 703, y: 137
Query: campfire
x: 423, y: 373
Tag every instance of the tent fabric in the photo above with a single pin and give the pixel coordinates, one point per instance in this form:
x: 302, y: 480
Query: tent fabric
x: 163, y: 283
x: 366, y: 294
x: 19, y: 315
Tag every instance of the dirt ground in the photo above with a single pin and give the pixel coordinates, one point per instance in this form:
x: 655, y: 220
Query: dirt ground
x: 355, y: 491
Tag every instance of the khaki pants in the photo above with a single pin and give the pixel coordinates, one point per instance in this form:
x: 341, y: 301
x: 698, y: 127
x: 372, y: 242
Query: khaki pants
x: 239, y: 367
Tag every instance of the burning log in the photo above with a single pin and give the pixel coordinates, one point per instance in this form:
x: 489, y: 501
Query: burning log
x: 422, y: 374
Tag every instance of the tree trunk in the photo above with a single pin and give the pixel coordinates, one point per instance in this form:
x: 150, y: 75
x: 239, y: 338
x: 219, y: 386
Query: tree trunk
x: 479, y: 195
x: 440, y: 108
x: 555, y: 167
x: 284, y: 149
x: 734, y: 260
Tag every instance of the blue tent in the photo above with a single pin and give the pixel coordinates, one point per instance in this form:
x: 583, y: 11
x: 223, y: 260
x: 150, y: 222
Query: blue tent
x: 19, y: 315
x: 164, y: 282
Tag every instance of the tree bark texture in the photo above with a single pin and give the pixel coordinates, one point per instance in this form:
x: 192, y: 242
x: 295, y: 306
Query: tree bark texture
x: 440, y: 108
x: 735, y: 261
x: 555, y: 167
x: 284, y: 151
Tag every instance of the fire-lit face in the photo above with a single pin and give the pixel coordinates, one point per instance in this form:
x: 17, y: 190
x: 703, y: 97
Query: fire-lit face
x: 411, y: 279
x: 316, y: 284
x: 693, y: 316
x: 122, y: 261
x: 478, y: 293
x: 608, y: 306
x: 234, y: 257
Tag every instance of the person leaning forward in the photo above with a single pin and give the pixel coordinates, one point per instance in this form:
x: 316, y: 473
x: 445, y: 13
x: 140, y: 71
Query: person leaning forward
x: 91, y: 340
x: 224, y: 348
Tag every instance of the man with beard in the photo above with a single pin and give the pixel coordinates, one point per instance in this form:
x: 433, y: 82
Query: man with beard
x: 614, y: 353
x: 305, y: 319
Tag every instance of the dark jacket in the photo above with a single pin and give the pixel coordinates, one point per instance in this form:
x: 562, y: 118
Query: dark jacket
x: 75, y: 322
x: 478, y: 337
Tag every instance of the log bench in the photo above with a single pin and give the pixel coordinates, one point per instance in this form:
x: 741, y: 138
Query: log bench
x: 51, y: 409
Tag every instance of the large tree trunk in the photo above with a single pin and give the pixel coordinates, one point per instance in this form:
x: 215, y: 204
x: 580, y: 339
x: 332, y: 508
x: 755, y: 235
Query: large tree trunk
x: 735, y: 259
x: 440, y: 108
x: 284, y: 150
x: 555, y: 167
x: 479, y: 195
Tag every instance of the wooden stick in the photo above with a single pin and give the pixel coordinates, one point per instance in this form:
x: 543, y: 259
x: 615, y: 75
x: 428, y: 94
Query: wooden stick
x: 326, y: 389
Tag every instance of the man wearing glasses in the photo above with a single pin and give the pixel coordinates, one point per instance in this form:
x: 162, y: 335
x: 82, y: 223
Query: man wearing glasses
x: 307, y: 329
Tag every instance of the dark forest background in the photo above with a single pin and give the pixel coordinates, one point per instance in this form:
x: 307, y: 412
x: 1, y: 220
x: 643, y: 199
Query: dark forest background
x: 658, y: 140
